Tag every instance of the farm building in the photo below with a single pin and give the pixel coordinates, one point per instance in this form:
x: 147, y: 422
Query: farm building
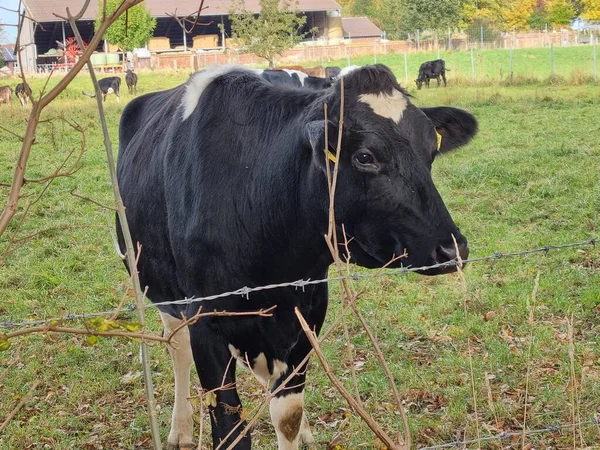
x: 360, y: 28
x: 49, y: 33
x: 8, y: 59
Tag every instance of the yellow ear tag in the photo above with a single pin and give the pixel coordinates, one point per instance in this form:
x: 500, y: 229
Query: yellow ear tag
x: 331, y: 157
x: 439, y: 140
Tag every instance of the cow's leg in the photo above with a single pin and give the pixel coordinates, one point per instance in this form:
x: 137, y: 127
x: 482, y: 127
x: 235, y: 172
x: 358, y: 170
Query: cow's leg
x: 438, y: 80
x: 287, y: 408
x: 216, y: 369
x: 444, y: 78
x: 182, y: 425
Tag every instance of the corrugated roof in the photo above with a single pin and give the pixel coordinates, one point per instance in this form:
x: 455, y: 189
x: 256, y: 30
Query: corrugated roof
x: 355, y: 27
x: 45, y: 10
x: 7, y: 53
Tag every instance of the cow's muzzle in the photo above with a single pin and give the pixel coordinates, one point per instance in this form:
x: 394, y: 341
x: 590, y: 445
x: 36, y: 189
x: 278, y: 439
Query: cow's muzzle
x: 448, y: 258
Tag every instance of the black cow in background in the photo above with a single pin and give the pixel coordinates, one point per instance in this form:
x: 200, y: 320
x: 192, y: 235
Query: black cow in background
x: 108, y: 85
x: 131, y: 81
x: 225, y: 182
x: 23, y: 93
x: 431, y: 69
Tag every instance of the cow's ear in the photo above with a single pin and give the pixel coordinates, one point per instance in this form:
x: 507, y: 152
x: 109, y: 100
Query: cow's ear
x: 315, y: 134
x: 456, y: 126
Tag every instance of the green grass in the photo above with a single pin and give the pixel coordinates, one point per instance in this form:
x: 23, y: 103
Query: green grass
x: 573, y: 65
x: 530, y: 178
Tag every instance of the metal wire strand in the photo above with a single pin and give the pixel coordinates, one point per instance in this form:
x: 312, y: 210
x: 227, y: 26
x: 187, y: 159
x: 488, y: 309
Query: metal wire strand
x: 246, y: 291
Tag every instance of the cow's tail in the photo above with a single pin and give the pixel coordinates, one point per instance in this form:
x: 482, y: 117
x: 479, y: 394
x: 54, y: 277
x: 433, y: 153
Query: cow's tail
x: 445, y: 68
x: 89, y: 95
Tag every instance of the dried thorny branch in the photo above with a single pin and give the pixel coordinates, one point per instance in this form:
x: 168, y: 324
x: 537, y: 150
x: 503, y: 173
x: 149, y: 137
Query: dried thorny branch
x: 194, y: 21
x: 341, y: 389
x: 130, y: 253
x: 48, y: 180
x: 22, y: 403
x: 12, y: 202
x: 348, y: 293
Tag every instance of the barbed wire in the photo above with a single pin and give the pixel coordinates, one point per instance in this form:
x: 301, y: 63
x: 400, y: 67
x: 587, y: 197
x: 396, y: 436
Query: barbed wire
x: 508, y: 435
x: 246, y: 291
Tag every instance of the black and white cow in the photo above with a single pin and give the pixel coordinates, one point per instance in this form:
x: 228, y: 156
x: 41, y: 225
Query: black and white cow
x: 295, y: 78
x: 225, y: 183
x: 108, y: 85
x: 131, y: 80
x: 23, y: 93
x: 431, y: 69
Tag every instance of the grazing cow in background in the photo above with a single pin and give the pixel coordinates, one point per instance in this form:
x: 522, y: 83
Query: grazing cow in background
x: 5, y: 94
x: 431, y: 69
x: 295, y: 78
x: 225, y: 183
x: 108, y: 85
x: 23, y: 93
x: 131, y: 81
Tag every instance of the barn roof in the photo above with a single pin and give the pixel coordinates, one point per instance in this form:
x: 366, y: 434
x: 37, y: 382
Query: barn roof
x: 357, y: 27
x: 45, y: 10
x: 7, y: 52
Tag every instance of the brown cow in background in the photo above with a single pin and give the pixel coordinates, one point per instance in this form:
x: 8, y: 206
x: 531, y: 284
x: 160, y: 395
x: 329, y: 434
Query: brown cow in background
x: 5, y: 94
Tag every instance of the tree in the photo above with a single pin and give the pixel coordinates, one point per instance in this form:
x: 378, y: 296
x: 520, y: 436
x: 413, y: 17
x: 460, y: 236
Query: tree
x: 591, y: 9
x: 3, y: 34
x: 387, y: 15
x: 272, y: 32
x: 131, y: 30
x: 538, y: 19
x: 517, y: 14
x: 560, y: 12
x: 434, y: 15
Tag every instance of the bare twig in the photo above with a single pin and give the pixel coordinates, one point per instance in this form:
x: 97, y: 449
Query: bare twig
x: 22, y: 403
x: 87, y: 199
x: 342, y: 390
x: 530, y: 322
x: 463, y: 280
x: 12, y: 202
x: 195, y: 22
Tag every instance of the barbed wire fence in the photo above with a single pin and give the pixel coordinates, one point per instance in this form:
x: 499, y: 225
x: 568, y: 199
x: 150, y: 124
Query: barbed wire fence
x: 300, y: 284
x: 355, y: 276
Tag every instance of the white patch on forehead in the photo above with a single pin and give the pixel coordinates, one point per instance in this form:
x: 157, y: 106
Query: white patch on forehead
x: 301, y: 75
x: 198, y: 82
x: 388, y: 106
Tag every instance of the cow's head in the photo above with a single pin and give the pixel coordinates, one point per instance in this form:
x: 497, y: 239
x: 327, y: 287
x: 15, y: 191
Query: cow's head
x: 385, y: 197
x: 419, y: 83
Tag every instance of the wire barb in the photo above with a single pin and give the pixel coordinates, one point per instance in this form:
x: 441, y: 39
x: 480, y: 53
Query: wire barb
x: 246, y: 291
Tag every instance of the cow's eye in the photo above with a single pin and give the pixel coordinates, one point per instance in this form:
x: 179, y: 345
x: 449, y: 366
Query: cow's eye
x: 364, y: 158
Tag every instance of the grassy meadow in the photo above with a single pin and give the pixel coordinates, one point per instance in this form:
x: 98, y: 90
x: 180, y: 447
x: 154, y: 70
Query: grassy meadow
x: 572, y: 65
x: 530, y: 178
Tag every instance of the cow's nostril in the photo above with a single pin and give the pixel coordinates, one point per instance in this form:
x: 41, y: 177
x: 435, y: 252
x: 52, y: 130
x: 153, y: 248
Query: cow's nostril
x: 448, y: 253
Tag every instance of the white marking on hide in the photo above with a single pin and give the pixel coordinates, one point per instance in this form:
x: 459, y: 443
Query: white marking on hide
x: 301, y: 75
x: 198, y: 83
x: 389, y: 106
x: 110, y: 90
x: 234, y: 352
x: 262, y: 373
x: 182, y: 425
x: 346, y: 70
x: 287, y: 417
